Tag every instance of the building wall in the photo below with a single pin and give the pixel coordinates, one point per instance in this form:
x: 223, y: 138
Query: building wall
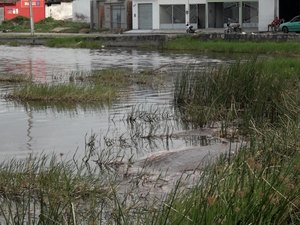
x: 111, y: 14
x: 61, y: 11
x: 82, y: 10
x: 267, y: 10
x: 95, y: 15
x: 155, y: 10
x: 266, y: 13
x: 21, y: 8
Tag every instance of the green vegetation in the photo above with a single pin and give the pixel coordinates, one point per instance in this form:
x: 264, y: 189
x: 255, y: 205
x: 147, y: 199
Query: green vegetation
x: 259, y: 91
x: 63, y: 92
x: 14, y: 78
x: 222, y: 46
x: 74, y: 42
x: 99, y: 86
x: 52, y: 191
x: 258, y: 184
x: 22, y: 24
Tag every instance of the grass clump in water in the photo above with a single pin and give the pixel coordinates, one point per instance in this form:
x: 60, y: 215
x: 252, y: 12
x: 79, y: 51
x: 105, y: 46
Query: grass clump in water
x: 63, y: 93
x: 14, y: 78
x: 88, y: 87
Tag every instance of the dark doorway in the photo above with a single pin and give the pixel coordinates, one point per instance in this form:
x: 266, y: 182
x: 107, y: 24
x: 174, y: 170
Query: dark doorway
x: 289, y: 9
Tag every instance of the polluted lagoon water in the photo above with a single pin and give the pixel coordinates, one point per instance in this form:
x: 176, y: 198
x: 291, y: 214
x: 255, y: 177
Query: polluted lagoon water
x: 139, y: 125
x: 32, y: 128
x: 136, y: 140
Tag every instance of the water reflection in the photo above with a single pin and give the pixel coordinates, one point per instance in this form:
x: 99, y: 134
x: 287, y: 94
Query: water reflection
x: 46, y: 64
x: 62, y: 128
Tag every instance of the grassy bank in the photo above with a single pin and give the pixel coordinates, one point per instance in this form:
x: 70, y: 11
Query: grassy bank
x: 259, y: 185
x: 22, y: 24
x: 74, y: 42
x: 223, y: 46
x: 260, y: 91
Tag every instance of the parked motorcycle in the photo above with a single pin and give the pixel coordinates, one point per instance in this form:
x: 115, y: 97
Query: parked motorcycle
x: 189, y: 28
x: 233, y: 28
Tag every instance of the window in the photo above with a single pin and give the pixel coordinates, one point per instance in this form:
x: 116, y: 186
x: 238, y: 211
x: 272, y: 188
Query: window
x: 172, y: 16
x: 250, y: 12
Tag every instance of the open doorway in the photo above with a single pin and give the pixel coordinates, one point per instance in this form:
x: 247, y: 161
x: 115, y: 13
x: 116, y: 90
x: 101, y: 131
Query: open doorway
x: 197, y: 15
x: 215, y: 15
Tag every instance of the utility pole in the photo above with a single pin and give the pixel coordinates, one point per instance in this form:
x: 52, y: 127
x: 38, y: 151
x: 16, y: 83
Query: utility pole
x: 31, y: 18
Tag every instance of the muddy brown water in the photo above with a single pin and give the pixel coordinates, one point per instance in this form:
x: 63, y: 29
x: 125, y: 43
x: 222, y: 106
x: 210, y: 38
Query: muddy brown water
x: 31, y: 129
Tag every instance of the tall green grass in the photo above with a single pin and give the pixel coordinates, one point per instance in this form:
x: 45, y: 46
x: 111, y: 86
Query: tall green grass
x: 47, y: 190
x: 259, y: 185
x: 255, y: 90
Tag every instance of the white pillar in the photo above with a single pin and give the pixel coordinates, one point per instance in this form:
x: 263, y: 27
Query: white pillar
x: 206, y: 15
x: 241, y: 13
x: 187, y: 13
x: 31, y: 18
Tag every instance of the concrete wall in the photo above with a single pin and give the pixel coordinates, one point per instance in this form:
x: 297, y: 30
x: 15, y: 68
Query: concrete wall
x: 82, y: 10
x: 61, y: 11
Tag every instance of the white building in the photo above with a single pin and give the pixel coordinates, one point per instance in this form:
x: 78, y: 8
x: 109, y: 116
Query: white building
x: 61, y: 11
x: 174, y: 14
x: 82, y: 11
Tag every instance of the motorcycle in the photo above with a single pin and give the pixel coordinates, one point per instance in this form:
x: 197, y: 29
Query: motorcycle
x: 233, y: 28
x: 189, y: 28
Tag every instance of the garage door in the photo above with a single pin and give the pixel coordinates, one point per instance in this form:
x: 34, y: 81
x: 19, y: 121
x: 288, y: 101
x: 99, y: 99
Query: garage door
x: 145, y: 16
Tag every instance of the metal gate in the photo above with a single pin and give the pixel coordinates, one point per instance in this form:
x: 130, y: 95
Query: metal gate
x: 145, y: 16
x: 1, y: 15
x: 118, y: 16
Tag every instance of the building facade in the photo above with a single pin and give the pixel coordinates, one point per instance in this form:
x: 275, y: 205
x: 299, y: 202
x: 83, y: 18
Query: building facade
x: 81, y: 11
x: 59, y: 9
x: 175, y: 14
x: 111, y: 14
x: 10, y: 9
